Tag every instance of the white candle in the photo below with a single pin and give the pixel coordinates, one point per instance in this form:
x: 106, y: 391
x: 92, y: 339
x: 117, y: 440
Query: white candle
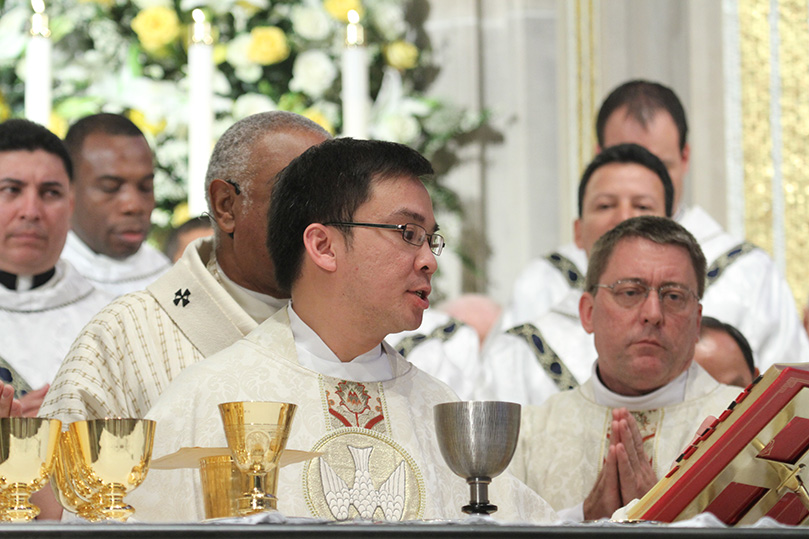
x: 200, y: 110
x: 356, y: 93
x: 38, y: 78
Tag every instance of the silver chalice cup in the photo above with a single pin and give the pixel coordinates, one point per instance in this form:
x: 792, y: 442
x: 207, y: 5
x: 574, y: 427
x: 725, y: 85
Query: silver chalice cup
x: 477, y: 440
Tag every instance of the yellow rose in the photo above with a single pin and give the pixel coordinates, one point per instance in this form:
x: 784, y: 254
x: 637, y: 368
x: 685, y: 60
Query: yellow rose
x: 339, y: 8
x: 139, y: 119
x: 5, y: 110
x: 220, y: 53
x: 319, y: 118
x: 402, y: 55
x: 57, y: 124
x: 156, y: 27
x: 268, y: 45
x: 180, y: 215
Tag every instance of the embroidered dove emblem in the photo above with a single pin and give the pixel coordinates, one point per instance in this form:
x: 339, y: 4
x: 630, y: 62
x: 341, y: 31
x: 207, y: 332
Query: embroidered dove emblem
x: 390, y: 497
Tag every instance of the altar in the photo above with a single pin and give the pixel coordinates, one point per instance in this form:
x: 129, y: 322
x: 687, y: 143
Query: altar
x: 382, y: 530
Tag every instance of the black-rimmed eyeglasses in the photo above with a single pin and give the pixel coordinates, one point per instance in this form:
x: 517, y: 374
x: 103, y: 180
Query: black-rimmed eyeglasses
x: 412, y: 233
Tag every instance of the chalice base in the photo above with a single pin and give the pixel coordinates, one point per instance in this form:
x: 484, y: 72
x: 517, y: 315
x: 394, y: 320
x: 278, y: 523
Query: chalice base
x: 110, y: 503
x: 256, y: 501
x: 18, y: 507
x: 479, y: 509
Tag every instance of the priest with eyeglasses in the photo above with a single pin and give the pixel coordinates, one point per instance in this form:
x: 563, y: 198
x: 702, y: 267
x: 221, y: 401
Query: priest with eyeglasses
x: 592, y: 450
x: 353, y: 238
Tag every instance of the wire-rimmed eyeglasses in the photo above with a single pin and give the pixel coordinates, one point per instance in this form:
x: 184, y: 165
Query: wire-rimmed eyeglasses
x: 412, y: 233
x: 629, y: 293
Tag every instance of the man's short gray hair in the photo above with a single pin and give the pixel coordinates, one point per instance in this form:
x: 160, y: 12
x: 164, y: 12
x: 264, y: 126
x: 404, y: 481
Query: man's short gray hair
x: 660, y: 230
x: 233, y: 153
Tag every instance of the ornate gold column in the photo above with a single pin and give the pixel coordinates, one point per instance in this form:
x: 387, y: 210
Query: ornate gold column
x: 793, y: 32
x: 774, y: 55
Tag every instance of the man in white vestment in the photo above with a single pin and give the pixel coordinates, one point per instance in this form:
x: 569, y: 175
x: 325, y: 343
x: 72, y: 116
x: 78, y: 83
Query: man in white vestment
x: 353, y: 237
x: 444, y: 347
x: 595, y: 448
x: 744, y: 286
x: 44, y: 302
x: 114, y: 189
x: 219, y: 291
x: 532, y: 361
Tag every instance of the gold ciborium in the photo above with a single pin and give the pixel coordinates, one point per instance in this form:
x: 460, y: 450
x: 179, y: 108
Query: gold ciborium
x: 27, y: 448
x: 112, y: 458
x: 256, y: 433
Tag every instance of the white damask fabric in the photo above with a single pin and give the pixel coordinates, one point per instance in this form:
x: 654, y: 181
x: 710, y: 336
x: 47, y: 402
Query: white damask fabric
x: 380, y: 457
x: 518, y: 368
x: 130, y: 351
x: 450, y: 351
x: 39, y: 325
x: 563, y: 443
x: 116, y: 276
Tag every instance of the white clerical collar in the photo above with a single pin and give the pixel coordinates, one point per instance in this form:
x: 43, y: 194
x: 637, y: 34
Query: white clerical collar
x: 257, y: 305
x: 314, y: 354
x: 671, y: 393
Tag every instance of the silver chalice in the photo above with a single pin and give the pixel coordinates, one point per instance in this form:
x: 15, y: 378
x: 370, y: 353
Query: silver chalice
x: 477, y: 440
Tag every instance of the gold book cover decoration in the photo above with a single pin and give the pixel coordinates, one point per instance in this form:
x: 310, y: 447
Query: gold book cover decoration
x: 750, y: 463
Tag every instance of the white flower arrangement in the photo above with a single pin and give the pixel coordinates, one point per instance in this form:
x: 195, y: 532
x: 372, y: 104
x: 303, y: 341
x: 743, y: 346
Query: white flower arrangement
x: 130, y: 56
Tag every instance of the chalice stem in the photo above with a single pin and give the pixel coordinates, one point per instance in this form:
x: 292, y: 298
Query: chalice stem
x: 479, y: 497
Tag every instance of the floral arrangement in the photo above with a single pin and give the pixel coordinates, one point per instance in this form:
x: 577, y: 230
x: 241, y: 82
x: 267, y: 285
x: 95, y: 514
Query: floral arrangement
x: 130, y: 56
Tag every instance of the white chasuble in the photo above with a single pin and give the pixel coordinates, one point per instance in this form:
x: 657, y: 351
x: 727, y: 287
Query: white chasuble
x: 380, y: 457
x: 131, y: 351
x: 563, y: 442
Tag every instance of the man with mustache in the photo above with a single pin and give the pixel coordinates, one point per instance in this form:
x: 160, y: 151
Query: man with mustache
x: 44, y: 302
x: 592, y: 450
x: 114, y: 190
x: 353, y: 238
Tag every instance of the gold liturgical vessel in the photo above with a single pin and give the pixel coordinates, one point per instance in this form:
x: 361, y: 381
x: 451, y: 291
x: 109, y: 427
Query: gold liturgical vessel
x: 111, y: 459
x: 257, y: 434
x: 27, y: 448
x: 70, y: 483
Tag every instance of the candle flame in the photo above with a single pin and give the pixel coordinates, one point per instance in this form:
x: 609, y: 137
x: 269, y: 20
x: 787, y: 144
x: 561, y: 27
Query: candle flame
x: 38, y: 6
x: 353, y: 16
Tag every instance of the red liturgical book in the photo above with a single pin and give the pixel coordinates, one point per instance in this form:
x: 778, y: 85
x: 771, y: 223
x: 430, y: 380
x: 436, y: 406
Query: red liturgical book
x: 749, y: 463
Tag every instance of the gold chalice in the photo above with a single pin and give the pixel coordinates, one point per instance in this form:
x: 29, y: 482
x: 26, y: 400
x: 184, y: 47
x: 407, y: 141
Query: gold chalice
x: 27, y: 448
x: 112, y: 458
x: 70, y: 483
x: 256, y: 433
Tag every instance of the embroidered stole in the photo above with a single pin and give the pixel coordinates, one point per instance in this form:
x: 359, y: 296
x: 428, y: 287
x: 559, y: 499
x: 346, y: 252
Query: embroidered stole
x: 546, y: 357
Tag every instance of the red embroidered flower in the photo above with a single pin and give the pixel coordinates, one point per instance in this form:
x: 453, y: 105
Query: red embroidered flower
x: 353, y: 396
